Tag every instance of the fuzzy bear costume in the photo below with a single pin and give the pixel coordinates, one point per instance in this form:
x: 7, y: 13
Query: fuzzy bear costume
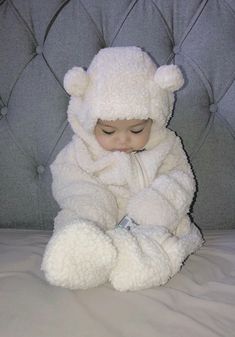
x: 95, y: 188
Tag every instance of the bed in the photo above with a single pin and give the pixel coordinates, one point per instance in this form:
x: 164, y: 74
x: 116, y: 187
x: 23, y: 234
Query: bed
x: 40, y: 41
x: 198, y: 301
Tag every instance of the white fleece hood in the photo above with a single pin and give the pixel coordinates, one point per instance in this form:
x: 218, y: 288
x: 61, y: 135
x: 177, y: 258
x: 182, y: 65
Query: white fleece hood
x: 121, y: 83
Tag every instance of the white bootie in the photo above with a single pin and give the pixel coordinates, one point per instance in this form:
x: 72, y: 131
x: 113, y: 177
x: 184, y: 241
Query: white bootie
x: 141, y: 261
x: 79, y: 256
x: 149, y: 256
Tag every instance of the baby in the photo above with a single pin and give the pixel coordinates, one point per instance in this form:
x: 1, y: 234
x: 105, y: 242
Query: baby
x: 122, y: 161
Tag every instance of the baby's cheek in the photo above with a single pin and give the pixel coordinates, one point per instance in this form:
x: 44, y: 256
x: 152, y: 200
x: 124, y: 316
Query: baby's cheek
x: 106, y: 143
x: 141, y: 141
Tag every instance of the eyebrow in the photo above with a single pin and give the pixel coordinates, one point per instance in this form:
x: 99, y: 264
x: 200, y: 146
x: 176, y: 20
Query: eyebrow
x: 104, y: 124
x: 132, y: 126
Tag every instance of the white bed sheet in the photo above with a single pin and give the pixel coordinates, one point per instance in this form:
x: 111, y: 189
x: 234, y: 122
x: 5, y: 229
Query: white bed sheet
x: 198, y: 302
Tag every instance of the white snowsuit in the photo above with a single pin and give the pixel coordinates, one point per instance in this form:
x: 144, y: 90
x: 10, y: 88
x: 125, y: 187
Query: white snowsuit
x: 95, y: 188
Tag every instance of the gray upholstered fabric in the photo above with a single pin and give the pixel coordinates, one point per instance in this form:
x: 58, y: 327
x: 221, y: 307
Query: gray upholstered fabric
x: 40, y: 40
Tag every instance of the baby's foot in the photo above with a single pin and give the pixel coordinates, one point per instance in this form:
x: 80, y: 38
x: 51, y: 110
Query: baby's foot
x: 79, y: 256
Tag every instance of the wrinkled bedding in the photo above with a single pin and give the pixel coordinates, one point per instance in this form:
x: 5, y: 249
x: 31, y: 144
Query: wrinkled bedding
x: 198, y: 301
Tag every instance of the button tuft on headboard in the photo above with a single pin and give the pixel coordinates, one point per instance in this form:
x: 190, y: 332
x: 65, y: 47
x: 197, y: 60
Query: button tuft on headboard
x: 40, y: 169
x: 39, y: 50
x: 4, y: 111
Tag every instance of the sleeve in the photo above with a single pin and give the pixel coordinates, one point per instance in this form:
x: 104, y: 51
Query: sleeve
x: 80, y: 193
x: 167, y: 200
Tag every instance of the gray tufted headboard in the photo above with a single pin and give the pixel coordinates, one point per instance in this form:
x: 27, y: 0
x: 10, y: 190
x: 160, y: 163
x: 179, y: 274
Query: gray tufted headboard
x: 40, y: 40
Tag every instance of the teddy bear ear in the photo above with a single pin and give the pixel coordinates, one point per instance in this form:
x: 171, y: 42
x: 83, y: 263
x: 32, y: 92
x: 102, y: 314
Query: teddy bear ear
x: 76, y: 81
x: 169, y: 77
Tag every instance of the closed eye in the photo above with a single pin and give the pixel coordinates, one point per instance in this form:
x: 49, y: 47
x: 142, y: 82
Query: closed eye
x: 108, y: 132
x: 135, y: 132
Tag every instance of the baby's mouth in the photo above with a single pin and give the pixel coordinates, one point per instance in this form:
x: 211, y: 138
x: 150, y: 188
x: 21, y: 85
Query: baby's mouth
x: 124, y: 150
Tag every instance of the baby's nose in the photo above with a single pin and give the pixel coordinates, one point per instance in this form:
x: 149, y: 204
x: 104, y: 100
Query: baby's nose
x: 124, y: 138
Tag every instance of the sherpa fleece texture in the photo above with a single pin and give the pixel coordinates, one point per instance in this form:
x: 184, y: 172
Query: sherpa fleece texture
x: 96, y: 188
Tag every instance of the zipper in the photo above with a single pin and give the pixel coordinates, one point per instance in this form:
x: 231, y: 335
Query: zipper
x: 140, y: 172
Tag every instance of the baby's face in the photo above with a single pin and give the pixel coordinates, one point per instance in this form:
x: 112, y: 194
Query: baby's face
x: 123, y: 135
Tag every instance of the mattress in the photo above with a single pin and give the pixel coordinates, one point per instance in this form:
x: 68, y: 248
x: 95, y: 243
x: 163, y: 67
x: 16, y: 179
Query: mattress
x: 198, y: 301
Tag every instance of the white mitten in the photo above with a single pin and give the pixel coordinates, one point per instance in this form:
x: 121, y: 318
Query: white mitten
x: 79, y: 256
x: 148, y: 207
